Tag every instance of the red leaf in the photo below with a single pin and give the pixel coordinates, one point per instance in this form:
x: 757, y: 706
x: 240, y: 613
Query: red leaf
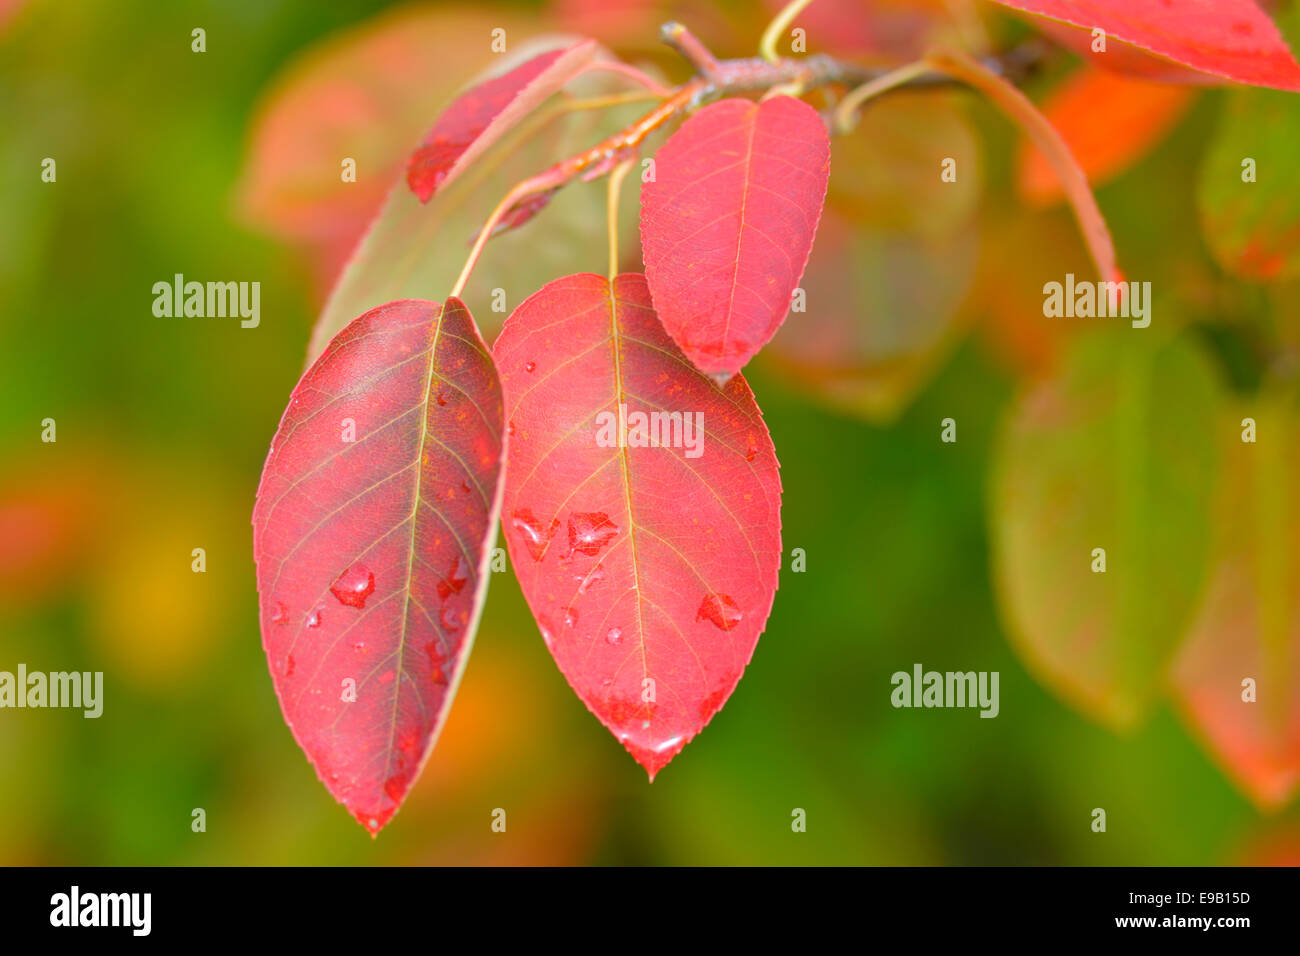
x: 480, y: 115
x: 638, y: 562
x: 1233, y: 39
x: 728, y: 222
x: 372, y: 554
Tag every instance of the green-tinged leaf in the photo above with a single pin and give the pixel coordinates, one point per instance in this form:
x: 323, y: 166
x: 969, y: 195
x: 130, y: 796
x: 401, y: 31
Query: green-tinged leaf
x: 417, y: 251
x: 912, y: 163
x: 1247, y: 197
x: 1117, y: 453
x: 1237, y: 678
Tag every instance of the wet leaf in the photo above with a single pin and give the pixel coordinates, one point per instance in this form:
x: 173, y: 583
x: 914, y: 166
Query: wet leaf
x: 1114, y: 452
x: 372, y: 531
x: 650, y: 570
x: 1232, y: 39
x: 728, y: 223
x: 1249, y: 627
x: 1253, y: 228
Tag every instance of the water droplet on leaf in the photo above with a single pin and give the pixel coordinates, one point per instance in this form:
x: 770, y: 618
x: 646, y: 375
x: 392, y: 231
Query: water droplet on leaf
x: 721, y: 610
x: 354, y: 585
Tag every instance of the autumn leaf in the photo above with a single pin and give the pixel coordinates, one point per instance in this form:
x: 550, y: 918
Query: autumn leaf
x: 650, y: 570
x: 1109, y: 464
x: 482, y: 114
x: 1249, y: 628
x: 882, y: 313
x: 372, y: 531
x: 1109, y: 122
x: 878, y: 305
x: 365, y: 94
x: 727, y: 224
x: 414, y: 250
x: 1246, y: 194
x: 1231, y: 39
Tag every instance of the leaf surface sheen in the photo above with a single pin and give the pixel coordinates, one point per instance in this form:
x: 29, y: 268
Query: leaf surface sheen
x: 728, y: 222
x: 1232, y: 39
x: 637, y: 562
x: 482, y: 114
x: 372, y: 553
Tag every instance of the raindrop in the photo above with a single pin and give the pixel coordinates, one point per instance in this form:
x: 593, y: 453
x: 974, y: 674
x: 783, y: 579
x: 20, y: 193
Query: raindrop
x: 535, y: 538
x: 454, y: 582
x: 279, y: 613
x: 530, y: 366
x: 594, y: 576
x: 721, y: 610
x: 313, y: 619
x: 570, y: 617
x: 614, y: 635
x: 589, y: 531
x: 354, y: 585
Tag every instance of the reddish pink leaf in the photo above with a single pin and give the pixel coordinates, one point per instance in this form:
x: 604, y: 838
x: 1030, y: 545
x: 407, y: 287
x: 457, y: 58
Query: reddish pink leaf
x: 371, y: 553
x: 728, y: 222
x: 1228, y: 38
x: 641, y: 564
x: 479, y: 116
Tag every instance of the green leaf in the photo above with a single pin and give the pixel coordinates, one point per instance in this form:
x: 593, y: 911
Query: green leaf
x: 1253, y: 228
x: 1116, y: 452
x: 1249, y: 626
x: 415, y: 251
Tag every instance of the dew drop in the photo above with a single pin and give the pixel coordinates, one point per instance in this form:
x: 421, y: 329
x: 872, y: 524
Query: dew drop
x: 751, y: 447
x: 594, y: 576
x: 359, y: 646
x: 279, y: 613
x: 530, y: 366
x: 570, y: 617
x: 535, y: 537
x: 589, y: 531
x: 510, y: 428
x: 614, y: 635
x: 354, y: 585
x: 721, y: 610
x: 455, y: 580
x: 313, y: 619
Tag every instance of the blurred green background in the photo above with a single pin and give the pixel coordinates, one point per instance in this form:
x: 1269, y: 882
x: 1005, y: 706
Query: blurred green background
x: 163, y: 425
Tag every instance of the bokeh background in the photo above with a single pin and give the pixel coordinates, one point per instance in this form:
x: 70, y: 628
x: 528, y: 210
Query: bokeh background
x: 163, y: 425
